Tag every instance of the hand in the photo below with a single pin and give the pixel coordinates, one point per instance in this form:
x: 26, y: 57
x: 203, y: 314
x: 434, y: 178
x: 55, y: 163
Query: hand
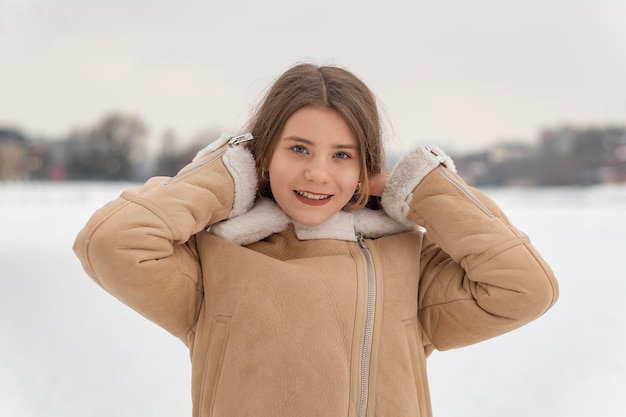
x: 377, y: 184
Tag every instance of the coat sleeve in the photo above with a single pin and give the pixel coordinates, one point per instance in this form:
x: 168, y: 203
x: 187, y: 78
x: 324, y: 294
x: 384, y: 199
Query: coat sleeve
x: 140, y: 247
x: 480, y: 276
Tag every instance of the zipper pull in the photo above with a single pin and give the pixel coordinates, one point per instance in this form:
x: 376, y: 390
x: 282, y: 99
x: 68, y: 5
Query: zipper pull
x: 439, y: 158
x: 236, y: 140
x: 361, y: 240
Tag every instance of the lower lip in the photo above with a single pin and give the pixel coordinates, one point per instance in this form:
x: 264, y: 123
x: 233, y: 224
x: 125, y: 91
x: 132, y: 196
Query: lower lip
x: 311, y: 202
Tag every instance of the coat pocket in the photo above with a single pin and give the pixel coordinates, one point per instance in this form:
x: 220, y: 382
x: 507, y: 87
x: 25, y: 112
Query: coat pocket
x: 418, y: 366
x: 213, y: 363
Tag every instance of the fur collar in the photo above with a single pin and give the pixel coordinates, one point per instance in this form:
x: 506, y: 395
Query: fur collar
x: 266, y: 218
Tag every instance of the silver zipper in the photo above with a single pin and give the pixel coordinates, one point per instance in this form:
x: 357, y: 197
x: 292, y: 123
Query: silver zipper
x: 460, y: 186
x: 218, y: 152
x: 369, y: 325
x: 467, y: 193
x: 232, y: 142
x: 236, y: 140
x: 441, y: 159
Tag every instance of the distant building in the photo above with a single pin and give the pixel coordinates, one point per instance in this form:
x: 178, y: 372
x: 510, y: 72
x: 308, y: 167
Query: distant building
x: 508, y: 150
x: 590, y: 155
x: 616, y: 171
x: 48, y: 160
x: 13, y: 155
x: 504, y: 164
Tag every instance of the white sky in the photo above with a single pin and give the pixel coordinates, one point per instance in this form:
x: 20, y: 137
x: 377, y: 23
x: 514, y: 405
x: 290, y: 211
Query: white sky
x: 459, y: 73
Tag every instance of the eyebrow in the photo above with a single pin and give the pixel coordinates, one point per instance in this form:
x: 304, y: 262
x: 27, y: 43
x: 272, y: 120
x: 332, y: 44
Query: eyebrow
x: 310, y: 143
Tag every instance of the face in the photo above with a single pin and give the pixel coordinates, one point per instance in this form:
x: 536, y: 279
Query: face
x: 315, y: 166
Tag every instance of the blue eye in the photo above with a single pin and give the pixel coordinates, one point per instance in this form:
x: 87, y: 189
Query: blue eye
x: 299, y: 149
x: 342, y: 155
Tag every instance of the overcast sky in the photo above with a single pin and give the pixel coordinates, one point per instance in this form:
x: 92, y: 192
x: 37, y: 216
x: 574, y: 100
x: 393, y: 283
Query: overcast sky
x: 459, y: 73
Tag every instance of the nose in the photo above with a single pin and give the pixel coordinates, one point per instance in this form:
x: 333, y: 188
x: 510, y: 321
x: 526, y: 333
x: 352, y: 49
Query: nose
x: 316, y: 170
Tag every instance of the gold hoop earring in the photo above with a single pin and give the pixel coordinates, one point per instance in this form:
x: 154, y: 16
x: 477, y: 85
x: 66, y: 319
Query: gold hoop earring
x: 263, y: 175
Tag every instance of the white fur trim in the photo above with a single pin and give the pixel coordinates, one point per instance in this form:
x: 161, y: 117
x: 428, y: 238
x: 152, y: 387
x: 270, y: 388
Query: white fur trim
x: 376, y: 223
x: 240, y: 163
x: 340, y: 226
x: 406, y: 175
x: 241, y: 166
x: 266, y: 218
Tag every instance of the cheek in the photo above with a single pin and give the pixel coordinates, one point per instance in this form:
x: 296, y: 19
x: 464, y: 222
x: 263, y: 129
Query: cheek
x: 279, y: 170
x: 356, y: 175
x: 280, y: 175
x: 349, y: 180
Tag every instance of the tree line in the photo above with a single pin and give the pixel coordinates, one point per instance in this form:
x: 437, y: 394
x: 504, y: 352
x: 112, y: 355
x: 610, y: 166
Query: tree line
x: 116, y: 149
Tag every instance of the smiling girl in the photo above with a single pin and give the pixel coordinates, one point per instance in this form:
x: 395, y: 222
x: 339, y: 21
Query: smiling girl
x: 270, y: 257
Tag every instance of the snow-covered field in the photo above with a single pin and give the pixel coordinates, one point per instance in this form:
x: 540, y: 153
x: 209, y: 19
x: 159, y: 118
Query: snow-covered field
x: 67, y: 349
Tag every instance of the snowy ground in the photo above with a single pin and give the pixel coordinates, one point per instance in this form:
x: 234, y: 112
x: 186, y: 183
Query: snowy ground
x: 67, y: 349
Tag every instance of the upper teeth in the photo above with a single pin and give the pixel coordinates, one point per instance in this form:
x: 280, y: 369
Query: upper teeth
x: 313, y: 196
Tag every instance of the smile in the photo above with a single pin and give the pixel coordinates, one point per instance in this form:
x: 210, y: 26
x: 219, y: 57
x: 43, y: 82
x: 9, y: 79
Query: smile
x: 313, y: 196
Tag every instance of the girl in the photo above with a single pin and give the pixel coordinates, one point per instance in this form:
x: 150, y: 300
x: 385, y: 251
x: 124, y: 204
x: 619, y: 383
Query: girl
x: 270, y: 258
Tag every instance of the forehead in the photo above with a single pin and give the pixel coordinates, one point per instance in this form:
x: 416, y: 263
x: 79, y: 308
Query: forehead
x: 319, y: 126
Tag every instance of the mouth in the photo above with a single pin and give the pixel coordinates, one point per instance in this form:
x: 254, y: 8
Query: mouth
x: 312, y: 199
x: 312, y: 196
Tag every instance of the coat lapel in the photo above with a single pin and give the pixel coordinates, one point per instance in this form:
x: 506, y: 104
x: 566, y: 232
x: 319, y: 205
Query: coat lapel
x: 266, y: 218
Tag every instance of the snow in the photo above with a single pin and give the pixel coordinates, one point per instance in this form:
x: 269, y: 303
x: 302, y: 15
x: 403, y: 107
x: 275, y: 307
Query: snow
x: 69, y: 349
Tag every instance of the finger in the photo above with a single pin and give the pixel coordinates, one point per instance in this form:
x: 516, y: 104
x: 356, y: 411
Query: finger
x: 377, y: 183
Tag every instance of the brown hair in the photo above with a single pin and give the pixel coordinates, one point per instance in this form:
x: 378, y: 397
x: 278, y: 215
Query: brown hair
x: 326, y: 87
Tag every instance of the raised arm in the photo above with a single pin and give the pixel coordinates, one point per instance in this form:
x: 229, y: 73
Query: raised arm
x: 480, y: 276
x: 140, y: 247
